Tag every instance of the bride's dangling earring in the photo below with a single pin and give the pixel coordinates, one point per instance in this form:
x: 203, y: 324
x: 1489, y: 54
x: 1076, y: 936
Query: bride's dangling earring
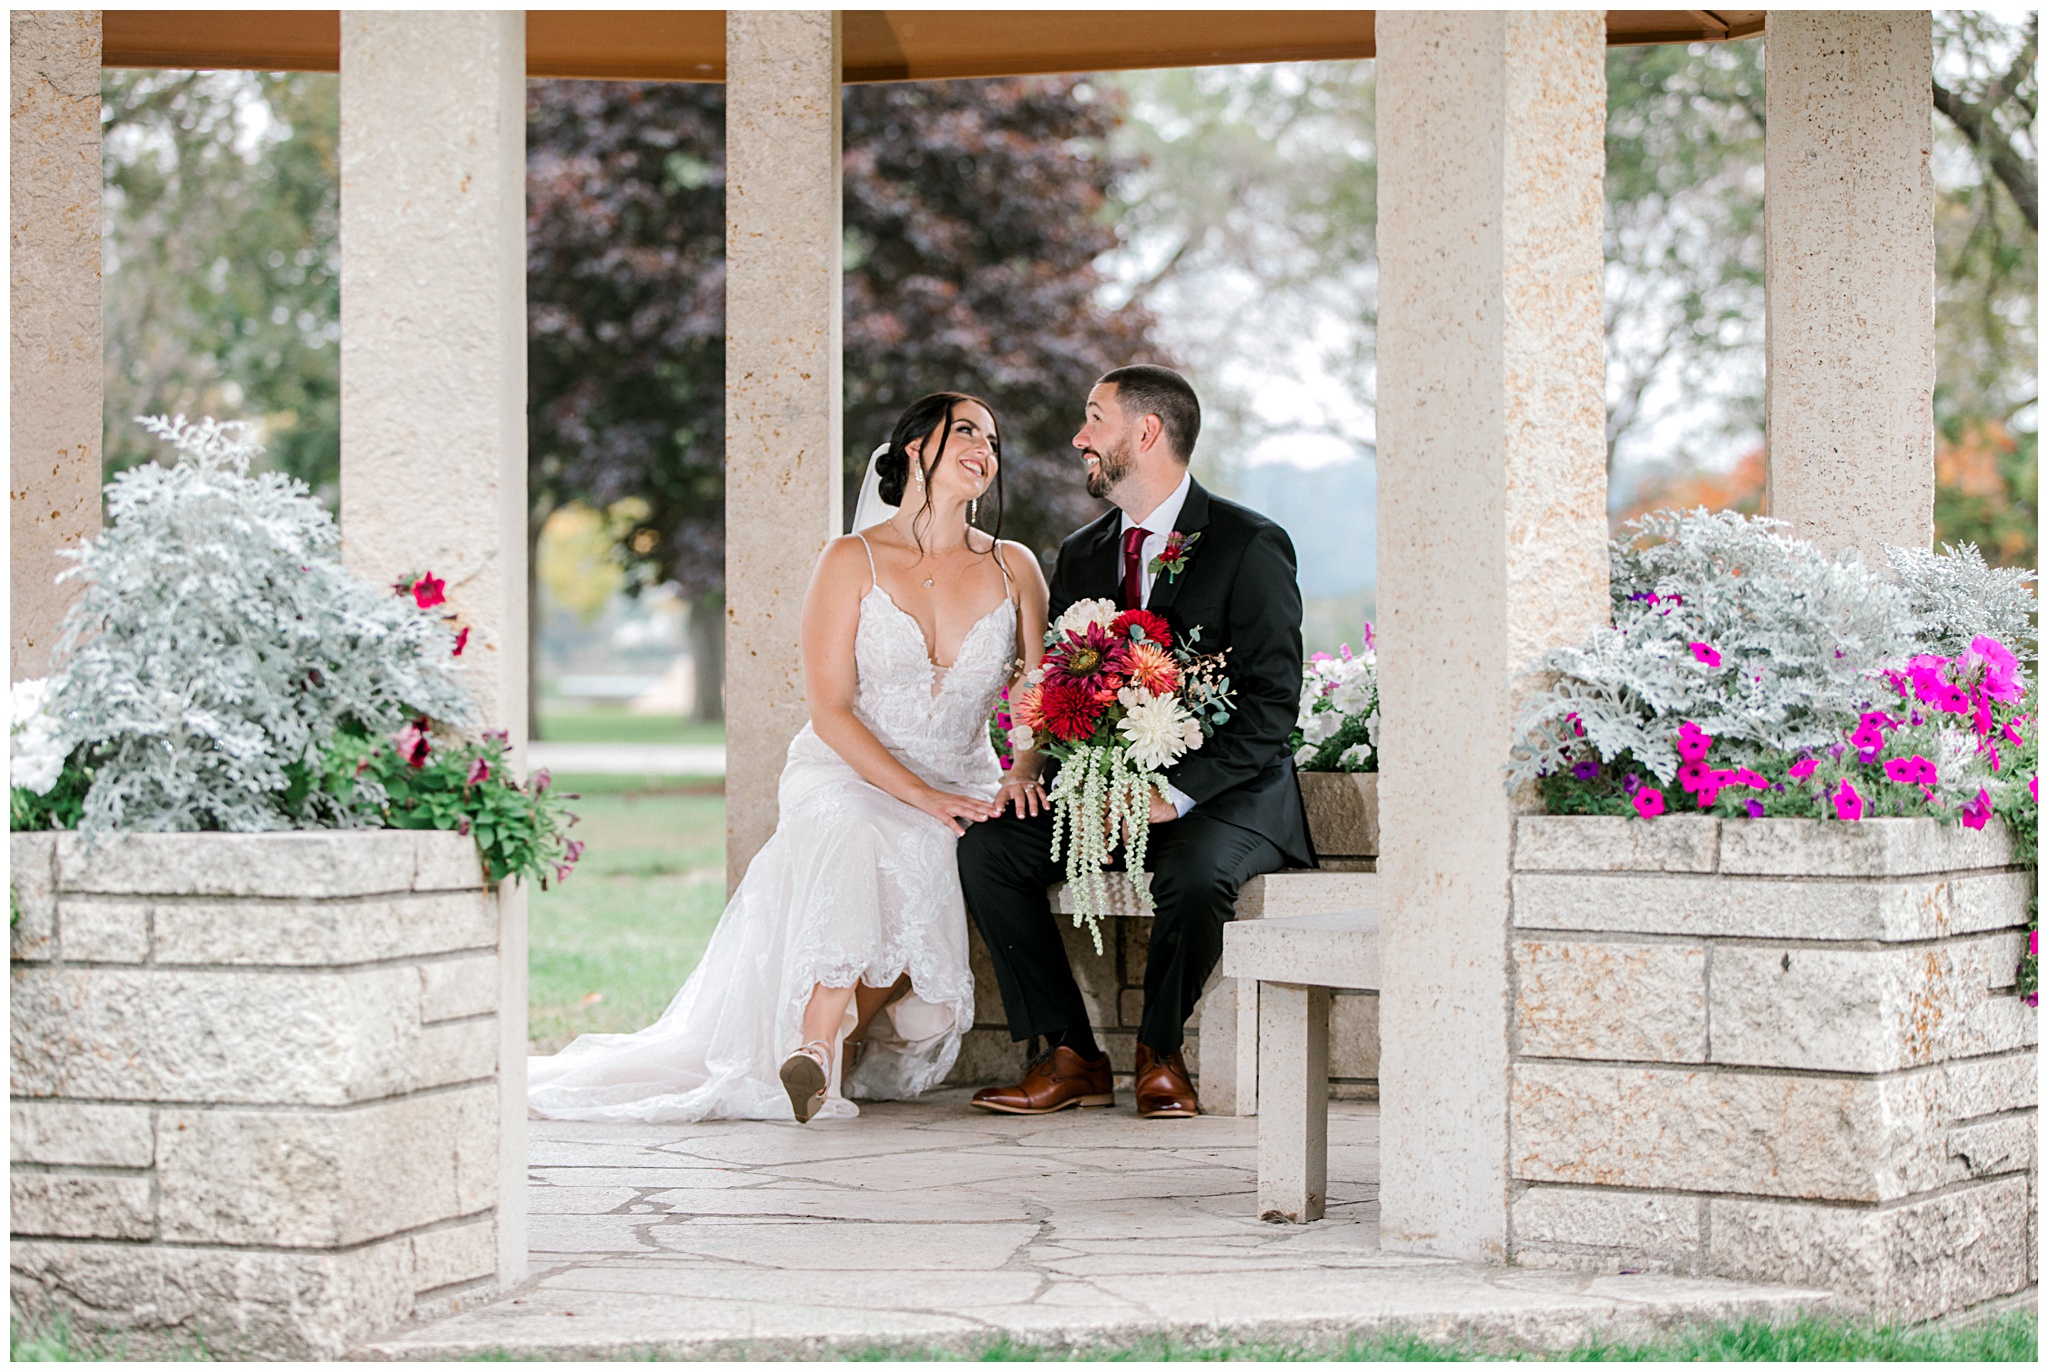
x: 974, y: 510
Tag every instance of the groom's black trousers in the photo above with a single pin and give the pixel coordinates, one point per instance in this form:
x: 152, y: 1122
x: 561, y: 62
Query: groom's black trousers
x: 1197, y: 864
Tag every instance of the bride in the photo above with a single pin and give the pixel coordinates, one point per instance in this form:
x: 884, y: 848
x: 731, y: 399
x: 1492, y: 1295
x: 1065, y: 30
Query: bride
x: 839, y: 968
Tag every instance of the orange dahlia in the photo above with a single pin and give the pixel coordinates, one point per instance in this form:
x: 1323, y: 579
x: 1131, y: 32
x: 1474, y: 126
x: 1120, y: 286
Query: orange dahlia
x: 1024, y: 708
x: 1154, y: 668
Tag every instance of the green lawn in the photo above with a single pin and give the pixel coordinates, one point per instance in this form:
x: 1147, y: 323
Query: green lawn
x: 610, y: 946
x: 2005, y: 1338
x: 560, y: 723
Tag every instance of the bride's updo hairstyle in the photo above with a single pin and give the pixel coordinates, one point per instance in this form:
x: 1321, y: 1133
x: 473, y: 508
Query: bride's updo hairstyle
x: 930, y: 419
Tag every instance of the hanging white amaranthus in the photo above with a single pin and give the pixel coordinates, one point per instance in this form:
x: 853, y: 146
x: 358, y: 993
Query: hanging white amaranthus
x: 1117, y: 703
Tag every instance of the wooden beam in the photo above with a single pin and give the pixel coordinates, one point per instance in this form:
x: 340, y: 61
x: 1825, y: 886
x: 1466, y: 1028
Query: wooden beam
x: 880, y: 45
x: 924, y: 45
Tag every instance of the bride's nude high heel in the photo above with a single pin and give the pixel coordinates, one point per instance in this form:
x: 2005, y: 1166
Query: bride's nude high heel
x: 804, y: 1075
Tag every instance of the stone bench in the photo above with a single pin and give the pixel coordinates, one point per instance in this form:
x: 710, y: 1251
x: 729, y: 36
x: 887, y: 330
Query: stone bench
x: 1223, y: 1033
x: 1294, y: 962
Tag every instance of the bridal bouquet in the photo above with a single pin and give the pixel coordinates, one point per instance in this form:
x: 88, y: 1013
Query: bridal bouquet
x: 1117, y: 702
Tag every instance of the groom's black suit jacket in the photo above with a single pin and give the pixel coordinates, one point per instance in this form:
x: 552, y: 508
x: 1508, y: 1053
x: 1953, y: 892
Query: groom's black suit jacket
x: 1238, y: 586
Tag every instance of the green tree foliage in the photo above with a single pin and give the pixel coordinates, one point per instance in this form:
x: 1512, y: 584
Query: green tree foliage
x: 1986, y: 243
x: 1684, y: 238
x: 221, y: 239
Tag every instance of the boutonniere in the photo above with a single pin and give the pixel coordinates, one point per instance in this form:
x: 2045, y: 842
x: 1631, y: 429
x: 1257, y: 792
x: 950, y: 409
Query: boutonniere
x: 1173, y: 559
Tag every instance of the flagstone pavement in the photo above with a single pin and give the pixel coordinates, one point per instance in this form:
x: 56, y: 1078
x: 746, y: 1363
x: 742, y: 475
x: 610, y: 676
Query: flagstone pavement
x: 931, y: 1226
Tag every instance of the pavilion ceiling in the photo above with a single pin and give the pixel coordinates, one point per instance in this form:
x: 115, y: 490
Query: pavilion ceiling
x: 880, y: 45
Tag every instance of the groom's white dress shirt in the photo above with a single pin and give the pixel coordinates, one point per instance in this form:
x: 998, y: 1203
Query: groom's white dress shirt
x: 1158, y: 525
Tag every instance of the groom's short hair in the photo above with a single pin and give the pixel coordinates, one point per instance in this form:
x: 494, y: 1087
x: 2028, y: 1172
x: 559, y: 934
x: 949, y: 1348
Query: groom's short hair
x: 1145, y: 389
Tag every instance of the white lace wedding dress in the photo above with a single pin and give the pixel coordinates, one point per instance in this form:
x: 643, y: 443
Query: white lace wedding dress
x: 854, y: 884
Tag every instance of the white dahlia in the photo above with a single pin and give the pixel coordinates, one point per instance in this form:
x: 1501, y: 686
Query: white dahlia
x: 1157, y: 729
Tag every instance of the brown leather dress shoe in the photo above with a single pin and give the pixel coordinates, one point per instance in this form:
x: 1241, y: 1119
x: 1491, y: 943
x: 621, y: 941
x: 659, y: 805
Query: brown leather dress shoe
x: 1162, y: 1087
x: 1054, y: 1081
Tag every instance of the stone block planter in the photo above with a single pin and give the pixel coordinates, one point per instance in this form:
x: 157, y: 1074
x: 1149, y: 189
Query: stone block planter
x: 1343, y: 813
x: 254, y: 1084
x: 1780, y: 1050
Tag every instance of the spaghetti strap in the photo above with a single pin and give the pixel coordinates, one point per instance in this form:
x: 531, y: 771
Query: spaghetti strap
x: 873, y: 580
x: 1009, y: 585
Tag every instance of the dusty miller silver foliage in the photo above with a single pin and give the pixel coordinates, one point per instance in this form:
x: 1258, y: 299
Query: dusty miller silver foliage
x: 1953, y: 597
x: 1801, y: 636
x: 219, y: 644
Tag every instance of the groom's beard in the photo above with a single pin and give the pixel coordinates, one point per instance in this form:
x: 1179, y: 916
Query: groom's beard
x: 1109, y: 471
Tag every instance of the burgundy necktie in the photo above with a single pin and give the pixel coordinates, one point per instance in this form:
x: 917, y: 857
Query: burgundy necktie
x: 1134, y: 568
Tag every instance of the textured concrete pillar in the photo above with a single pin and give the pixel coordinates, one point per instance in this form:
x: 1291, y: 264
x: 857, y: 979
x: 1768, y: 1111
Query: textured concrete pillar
x: 782, y: 387
x: 1492, y: 519
x: 53, y: 434
x: 1849, y: 276
x: 433, y: 384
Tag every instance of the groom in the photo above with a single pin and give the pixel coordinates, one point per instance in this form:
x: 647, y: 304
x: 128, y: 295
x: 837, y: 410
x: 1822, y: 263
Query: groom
x: 1233, y: 808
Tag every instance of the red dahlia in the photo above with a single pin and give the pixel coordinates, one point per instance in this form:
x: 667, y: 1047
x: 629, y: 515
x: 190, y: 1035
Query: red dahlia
x: 1157, y: 630
x: 1070, y: 711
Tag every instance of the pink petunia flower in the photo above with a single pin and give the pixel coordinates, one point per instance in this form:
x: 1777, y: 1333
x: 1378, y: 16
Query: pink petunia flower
x: 1909, y: 771
x: 429, y: 591
x: 2001, y: 668
x: 1649, y: 802
x: 461, y: 641
x: 1693, y: 775
x: 1693, y: 741
x: 1804, y: 768
x: 1707, y: 653
x: 1978, y: 812
x: 479, y: 772
x: 413, y: 744
x: 1848, y: 804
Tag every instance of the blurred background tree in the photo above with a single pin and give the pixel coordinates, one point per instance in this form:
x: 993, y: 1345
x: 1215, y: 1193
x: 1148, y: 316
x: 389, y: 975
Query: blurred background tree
x: 222, y: 262
x: 1986, y: 398
x: 974, y: 213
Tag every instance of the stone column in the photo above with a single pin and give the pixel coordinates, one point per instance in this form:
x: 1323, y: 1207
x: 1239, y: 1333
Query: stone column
x: 1492, y: 518
x: 53, y: 484
x: 433, y: 384
x: 782, y: 384
x: 1849, y: 277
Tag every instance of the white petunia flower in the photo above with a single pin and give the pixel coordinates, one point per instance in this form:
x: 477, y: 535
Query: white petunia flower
x: 1356, y: 756
x: 1322, y: 727
x: 36, y: 750
x: 1157, y: 729
x: 1082, y: 613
